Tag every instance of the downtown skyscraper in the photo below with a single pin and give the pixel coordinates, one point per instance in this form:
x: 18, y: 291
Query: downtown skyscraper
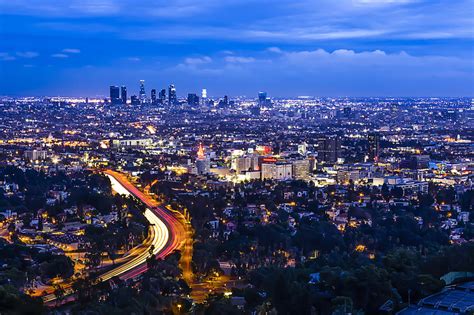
x: 115, y: 95
x: 142, y: 94
x: 123, y: 94
x: 153, y: 96
x: 172, y: 98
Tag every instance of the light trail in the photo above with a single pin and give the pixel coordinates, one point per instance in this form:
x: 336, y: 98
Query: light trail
x: 164, y: 232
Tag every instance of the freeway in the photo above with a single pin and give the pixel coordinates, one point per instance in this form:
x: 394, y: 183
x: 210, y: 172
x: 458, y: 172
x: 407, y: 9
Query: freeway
x: 168, y: 230
x: 167, y: 234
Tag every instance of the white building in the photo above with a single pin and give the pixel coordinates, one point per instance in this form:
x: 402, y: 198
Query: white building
x: 124, y: 143
x: 34, y: 154
x: 280, y: 171
x: 300, y: 169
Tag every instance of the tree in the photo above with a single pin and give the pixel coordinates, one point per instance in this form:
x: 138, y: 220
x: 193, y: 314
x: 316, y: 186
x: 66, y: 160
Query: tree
x: 13, y: 301
x: 59, y: 293
x: 342, y: 305
x: 83, y: 287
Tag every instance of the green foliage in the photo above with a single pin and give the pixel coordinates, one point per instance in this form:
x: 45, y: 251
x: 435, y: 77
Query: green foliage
x: 55, y: 266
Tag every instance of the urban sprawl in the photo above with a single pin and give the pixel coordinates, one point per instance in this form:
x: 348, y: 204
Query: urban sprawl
x: 159, y: 204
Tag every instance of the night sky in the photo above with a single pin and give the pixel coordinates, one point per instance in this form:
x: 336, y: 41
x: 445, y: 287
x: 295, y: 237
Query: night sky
x: 238, y: 47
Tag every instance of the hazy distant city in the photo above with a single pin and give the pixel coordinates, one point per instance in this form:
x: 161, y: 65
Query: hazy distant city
x: 150, y: 201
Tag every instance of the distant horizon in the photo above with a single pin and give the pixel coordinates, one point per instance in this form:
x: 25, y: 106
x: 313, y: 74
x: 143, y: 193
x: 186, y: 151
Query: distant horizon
x: 277, y: 97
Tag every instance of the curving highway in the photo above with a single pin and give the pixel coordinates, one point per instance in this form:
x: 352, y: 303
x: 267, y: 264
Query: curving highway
x: 166, y: 234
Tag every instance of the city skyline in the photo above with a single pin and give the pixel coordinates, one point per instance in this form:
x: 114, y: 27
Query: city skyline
x: 349, y: 48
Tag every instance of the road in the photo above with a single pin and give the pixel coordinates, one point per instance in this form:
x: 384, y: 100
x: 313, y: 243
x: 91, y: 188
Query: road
x: 169, y: 231
x: 167, y: 234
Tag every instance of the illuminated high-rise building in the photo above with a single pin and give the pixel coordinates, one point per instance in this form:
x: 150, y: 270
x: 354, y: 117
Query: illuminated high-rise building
x: 329, y: 149
x: 200, y: 152
x: 193, y: 99
x: 262, y: 97
x: 223, y: 103
x: 134, y: 100
x: 203, y: 164
x: 374, y: 147
x: 153, y: 96
x: 142, y: 94
x: 172, y: 98
x: 115, y: 95
x: 204, y: 97
x: 123, y: 92
x: 162, y: 96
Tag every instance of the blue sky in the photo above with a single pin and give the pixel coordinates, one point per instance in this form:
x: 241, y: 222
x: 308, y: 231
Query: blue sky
x: 238, y: 47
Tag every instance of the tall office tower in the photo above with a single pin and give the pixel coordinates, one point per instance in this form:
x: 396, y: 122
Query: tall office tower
x: 153, y: 96
x: 172, y: 99
x: 262, y: 98
x: 204, y: 97
x: 193, y: 99
x: 329, y: 149
x: 142, y: 94
x: 223, y: 103
x: 115, y: 95
x: 123, y: 91
x: 162, y: 96
x: 203, y: 164
x: 374, y: 146
x: 134, y: 100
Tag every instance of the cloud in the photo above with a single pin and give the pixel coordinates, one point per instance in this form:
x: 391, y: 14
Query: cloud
x: 275, y: 50
x: 191, y: 64
x: 134, y: 59
x: 106, y: 8
x: 48, y: 8
x: 95, y: 7
x: 64, y: 53
x: 176, y: 11
x: 27, y: 54
x: 280, y: 23
x: 6, y: 57
x: 235, y: 59
x: 383, y: 2
x: 198, y: 60
x: 227, y: 52
x: 71, y: 50
x: 338, y: 72
x: 298, y: 34
x: 59, y: 56
x: 348, y: 60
